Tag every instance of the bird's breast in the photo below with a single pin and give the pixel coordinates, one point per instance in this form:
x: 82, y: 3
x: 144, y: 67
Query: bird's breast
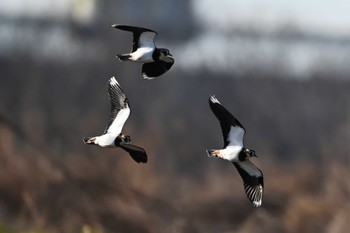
x: 105, y: 140
x: 143, y: 55
x: 231, y: 153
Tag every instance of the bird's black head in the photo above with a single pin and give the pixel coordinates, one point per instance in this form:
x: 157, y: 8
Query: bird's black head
x: 250, y: 153
x: 122, y: 139
x: 245, y: 154
x: 164, y: 54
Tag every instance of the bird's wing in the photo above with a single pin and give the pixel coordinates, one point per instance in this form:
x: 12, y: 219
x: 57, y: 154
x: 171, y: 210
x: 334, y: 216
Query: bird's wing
x: 146, y: 39
x: 232, y: 130
x: 137, y: 153
x: 142, y: 37
x: 155, y: 69
x: 120, y: 110
x: 253, y: 181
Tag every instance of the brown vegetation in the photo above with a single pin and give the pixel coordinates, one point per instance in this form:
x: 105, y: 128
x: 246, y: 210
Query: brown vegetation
x: 50, y: 180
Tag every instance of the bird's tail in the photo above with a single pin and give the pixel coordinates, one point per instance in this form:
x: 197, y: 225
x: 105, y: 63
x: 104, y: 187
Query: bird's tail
x: 89, y: 140
x: 210, y: 152
x: 124, y: 57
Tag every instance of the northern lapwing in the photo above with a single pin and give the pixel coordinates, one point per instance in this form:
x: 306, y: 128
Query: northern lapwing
x: 234, y: 151
x: 112, y: 136
x: 156, y: 61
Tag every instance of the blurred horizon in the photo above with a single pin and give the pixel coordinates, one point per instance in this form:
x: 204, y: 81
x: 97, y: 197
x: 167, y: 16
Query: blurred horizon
x: 310, y: 37
x: 280, y: 67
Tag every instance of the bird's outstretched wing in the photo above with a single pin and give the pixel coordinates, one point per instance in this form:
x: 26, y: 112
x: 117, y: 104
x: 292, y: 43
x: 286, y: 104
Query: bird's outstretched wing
x: 157, y: 68
x: 120, y: 110
x: 137, y: 153
x: 142, y: 37
x: 232, y: 130
x: 253, y: 181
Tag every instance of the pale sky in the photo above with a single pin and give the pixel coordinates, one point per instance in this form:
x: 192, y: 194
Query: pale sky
x: 326, y: 16
x: 81, y: 10
x: 35, y: 8
x: 218, y: 51
x: 312, y: 15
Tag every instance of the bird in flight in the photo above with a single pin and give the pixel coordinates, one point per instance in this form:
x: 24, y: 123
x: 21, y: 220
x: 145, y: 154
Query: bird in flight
x: 156, y: 61
x: 112, y: 136
x: 234, y: 151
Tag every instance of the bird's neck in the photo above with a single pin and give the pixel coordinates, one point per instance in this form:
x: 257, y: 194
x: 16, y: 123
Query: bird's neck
x: 156, y: 54
x: 244, y: 154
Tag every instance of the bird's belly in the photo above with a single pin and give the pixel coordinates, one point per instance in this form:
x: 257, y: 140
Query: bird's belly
x: 230, y: 153
x: 105, y: 140
x: 142, y: 55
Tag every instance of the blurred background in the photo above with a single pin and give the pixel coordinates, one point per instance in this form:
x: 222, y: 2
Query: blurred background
x: 281, y: 67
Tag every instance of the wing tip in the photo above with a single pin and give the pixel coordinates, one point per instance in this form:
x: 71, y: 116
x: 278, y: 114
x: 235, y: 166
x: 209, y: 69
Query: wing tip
x: 132, y: 28
x: 254, y: 194
x: 213, y: 99
x: 142, y: 160
x: 114, y: 25
x: 113, y: 81
x: 146, y: 77
x: 257, y: 203
x: 137, y: 153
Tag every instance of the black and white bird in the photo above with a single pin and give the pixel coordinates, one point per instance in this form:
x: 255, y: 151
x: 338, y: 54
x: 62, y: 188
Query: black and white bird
x: 234, y: 151
x: 112, y: 136
x: 156, y: 61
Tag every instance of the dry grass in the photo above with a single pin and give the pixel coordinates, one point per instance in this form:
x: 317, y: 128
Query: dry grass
x: 51, y: 182
x: 110, y: 193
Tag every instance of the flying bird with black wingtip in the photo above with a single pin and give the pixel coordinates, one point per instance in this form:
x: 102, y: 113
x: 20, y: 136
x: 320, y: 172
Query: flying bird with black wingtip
x: 234, y: 151
x: 112, y: 136
x: 156, y: 61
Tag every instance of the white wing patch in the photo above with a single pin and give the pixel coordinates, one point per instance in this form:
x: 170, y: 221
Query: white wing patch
x: 230, y: 153
x: 116, y: 127
x: 105, y: 140
x: 147, y: 39
x: 143, y: 54
x: 235, y: 137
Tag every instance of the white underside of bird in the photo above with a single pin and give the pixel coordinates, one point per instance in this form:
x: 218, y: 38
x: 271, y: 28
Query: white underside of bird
x: 232, y: 150
x: 107, y: 140
x: 142, y: 55
x: 229, y: 153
